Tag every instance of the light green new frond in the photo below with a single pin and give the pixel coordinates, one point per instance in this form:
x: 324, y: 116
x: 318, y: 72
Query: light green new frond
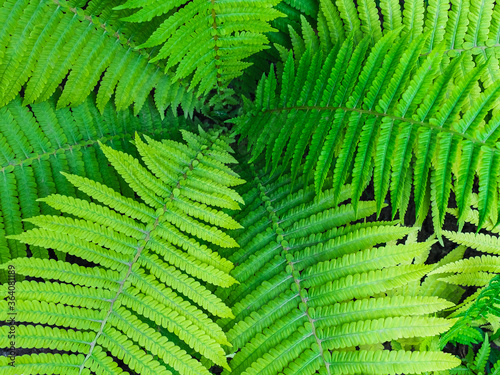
x: 312, y: 283
x: 370, y: 23
x: 55, y: 338
x: 477, y: 271
x: 485, y: 263
x: 413, y: 17
x: 68, y: 244
x: 74, y: 295
x: 480, y: 13
x: 435, y: 23
x: 51, y: 363
x: 375, y: 308
x: 391, y: 12
x: 365, y: 284
x: 362, y: 261
x: 482, y: 242
x: 381, y: 330
x: 70, y: 273
x: 145, y: 296
x: 475, y: 278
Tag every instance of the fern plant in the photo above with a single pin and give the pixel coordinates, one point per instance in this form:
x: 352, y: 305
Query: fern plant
x: 44, y: 41
x: 207, y: 38
x: 380, y: 113
x: 349, y: 110
x: 314, y: 286
x: 478, y: 315
x: 147, y: 266
x: 478, y: 363
x: 39, y: 141
x: 466, y: 331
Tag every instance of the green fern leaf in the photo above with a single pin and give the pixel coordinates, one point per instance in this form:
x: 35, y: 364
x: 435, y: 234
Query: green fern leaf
x: 38, y: 142
x: 54, y: 39
x: 151, y: 265
x: 312, y: 285
x: 231, y: 31
x: 374, y: 103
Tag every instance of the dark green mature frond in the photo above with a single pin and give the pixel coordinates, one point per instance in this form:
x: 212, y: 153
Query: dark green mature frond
x: 144, y: 298
x: 209, y: 39
x: 484, y: 306
x: 38, y: 142
x: 384, y: 112
x: 314, y: 285
x: 45, y: 41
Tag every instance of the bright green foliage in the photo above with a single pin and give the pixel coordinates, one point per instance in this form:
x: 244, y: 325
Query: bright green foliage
x: 44, y: 40
x: 143, y: 296
x: 380, y: 113
x: 475, y: 271
x: 207, y: 38
x: 475, y: 363
x: 294, y: 11
x: 465, y: 331
x: 463, y: 25
x: 314, y: 286
x: 484, y: 306
x: 333, y: 100
x: 38, y: 142
x: 479, y: 271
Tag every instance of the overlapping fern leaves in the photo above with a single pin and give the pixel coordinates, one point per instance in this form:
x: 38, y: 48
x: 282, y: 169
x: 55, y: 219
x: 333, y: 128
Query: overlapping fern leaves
x: 207, y: 38
x: 45, y: 41
x: 143, y: 297
x: 408, y: 100
x: 470, y: 29
x: 384, y: 112
x: 314, y: 286
x: 484, y: 307
x: 479, y: 271
x: 463, y: 25
x: 37, y: 142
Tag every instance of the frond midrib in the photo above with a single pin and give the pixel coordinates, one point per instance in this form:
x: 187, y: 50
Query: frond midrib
x: 145, y: 241
x: 300, y: 290
x: 75, y: 146
x: 378, y: 114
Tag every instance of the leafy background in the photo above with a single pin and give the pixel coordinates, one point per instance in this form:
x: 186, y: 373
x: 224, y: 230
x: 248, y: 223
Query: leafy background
x: 76, y: 73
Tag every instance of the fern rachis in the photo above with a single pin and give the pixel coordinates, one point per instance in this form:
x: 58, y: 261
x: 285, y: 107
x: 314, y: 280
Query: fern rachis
x: 150, y: 270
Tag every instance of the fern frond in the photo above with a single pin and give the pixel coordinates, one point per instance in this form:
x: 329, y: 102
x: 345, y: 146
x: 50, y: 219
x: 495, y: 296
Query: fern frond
x: 480, y: 271
x: 312, y: 285
x: 207, y: 39
x: 465, y: 26
x: 390, y: 362
x: 39, y: 141
x: 356, y: 108
x: 145, y: 297
x: 53, y: 40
